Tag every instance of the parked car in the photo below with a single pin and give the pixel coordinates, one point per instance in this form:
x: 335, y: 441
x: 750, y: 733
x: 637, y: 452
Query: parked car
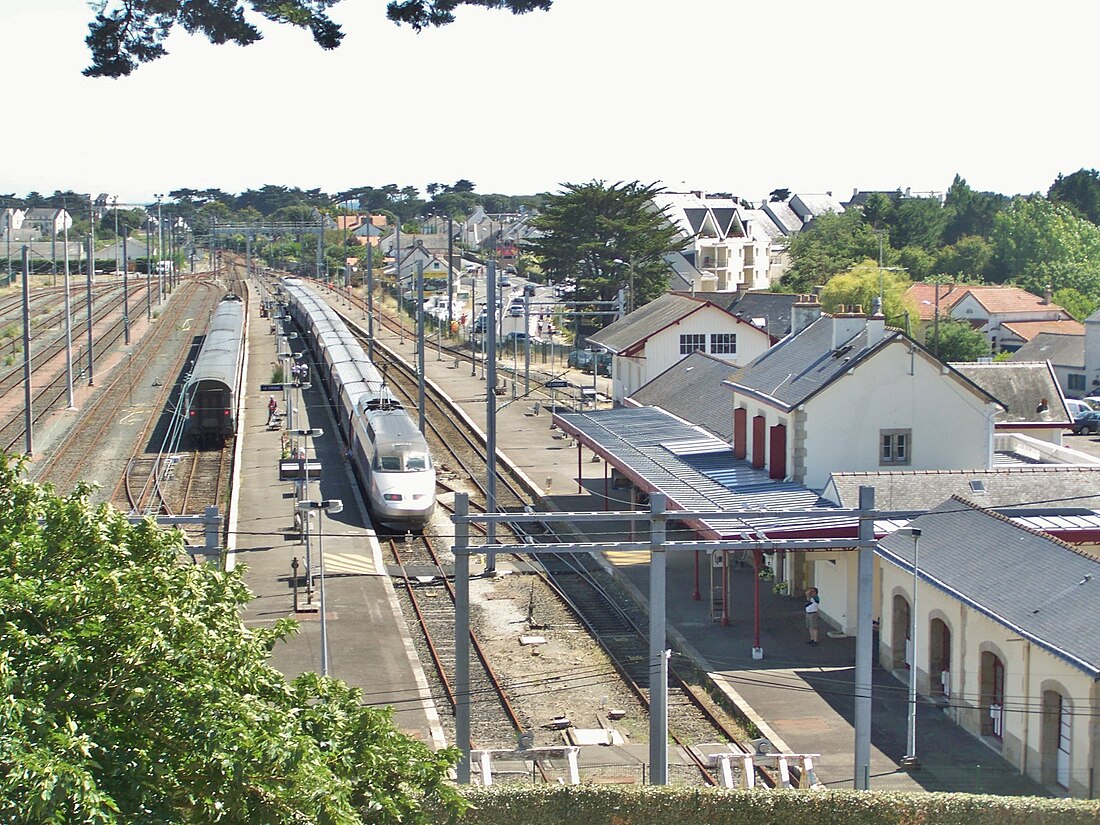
x: 601, y: 363
x: 1077, y: 406
x: 579, y: 358
x: 514, y: 338
x: 1087, y: 423
x: 515, y: 310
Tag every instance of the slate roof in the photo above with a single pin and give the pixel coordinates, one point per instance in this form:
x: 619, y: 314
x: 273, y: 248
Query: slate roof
x: 1029, y: 329
x: 773, y: 308
x: 635, y: 328
x: 692, y: 389
x: 809, y: 206
x: 1061, y: 350
x: 1036, y: 586
x: 1020, y: 387
x: 783, y: 215
x: 802, y: 365
x: 682, y: 275
x: 1059, y: 484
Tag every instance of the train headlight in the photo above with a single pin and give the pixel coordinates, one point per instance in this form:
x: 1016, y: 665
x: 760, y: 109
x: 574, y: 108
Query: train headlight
x: 391, y: 496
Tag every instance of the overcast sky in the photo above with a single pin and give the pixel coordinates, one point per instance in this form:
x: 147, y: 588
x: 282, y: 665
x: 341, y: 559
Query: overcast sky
x: 720, y: 95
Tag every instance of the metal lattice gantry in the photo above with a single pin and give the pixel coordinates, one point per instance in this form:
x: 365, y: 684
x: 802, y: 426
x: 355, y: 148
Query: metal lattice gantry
x: 272, y: 229
x: 658, y: 547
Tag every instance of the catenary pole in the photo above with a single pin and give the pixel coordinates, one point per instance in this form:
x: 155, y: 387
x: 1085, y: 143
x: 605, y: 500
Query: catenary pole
x: 491, y: 409
x: 27, y: 417
x: 864, y: 647
x: 420, y: 343
x: 91, y: 276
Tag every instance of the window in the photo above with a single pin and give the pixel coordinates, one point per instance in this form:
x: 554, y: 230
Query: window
x: 1076, y: 382
x: 723, y: 343
x: 692, y: 343
x: 894, y: 446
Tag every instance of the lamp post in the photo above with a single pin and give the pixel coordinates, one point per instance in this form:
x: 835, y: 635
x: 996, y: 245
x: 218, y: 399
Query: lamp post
x: 160, y: 251
x: 630, y: 281
x: 117, y: 259
x: 332, y: 506
x: 303, y: 494
x: 910, y: 759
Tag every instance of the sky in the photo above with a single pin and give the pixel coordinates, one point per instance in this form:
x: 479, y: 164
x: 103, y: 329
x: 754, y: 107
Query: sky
x: 716, y: 95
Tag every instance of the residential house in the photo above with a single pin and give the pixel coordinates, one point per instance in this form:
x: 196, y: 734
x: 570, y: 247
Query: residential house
x: 412, y: 257
x: 1092, y: 353
x: 1008, y: 316
x: 49, y: 221
x: 368, y: 234
x: 732, y: 251
x: 844, y: 391
x: 797, y: 212
x: 1066, y: 355
x: 1006, y: 636
x: 771, y: 311
x: 1033, y: 401
x: 654, y: 337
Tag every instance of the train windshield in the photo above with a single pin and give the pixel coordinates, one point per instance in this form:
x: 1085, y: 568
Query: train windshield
x: 401, y: 461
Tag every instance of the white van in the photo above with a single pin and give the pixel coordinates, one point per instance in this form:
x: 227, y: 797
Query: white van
x: 1076, y: 407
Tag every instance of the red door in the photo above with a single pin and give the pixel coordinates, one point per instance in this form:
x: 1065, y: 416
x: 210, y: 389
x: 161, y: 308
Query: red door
x: 758, y: 441
x: 740, y: 432
x: 777, y: 452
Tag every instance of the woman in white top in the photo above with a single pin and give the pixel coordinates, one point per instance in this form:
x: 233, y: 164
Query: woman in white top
x: 813, y: 607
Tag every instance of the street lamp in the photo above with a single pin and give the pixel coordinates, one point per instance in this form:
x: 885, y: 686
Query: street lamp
x: 303, y: 493
x: 910, y: 759
x: 332, y: 506
x: 630, y: 282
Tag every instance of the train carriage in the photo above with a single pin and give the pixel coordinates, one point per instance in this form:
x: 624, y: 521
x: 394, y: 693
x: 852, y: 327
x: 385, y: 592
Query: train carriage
x: 389, y: 454
x: 211, y: 392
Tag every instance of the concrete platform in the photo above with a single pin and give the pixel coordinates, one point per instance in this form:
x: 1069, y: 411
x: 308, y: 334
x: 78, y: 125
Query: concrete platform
x: 369, y: 644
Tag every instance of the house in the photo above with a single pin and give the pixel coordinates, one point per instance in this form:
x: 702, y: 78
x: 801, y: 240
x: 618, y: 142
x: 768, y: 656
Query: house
x: 654, y: 337
x: 50, y: 221
x: 1066, y: 356
x: 1092, y: 353
x: 1006, y: 637
x: 1033, y: 401
x: 412, y: 258
x: 771, y: 311
x: 367, y: 234
x: 797, y: 212
x: 1008, y: 316
x: 844, y: 391
x: 732, y: 251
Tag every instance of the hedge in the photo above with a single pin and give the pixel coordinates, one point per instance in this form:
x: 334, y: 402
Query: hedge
x: 651, y: 805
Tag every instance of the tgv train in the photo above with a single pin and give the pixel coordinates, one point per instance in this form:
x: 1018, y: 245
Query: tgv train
x: 389, y: 453
x: 210, y: 395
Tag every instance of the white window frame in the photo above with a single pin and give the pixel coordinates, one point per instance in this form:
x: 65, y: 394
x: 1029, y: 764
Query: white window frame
x: 895, y: 447
x: 688, y: 342
x: 723, y: 343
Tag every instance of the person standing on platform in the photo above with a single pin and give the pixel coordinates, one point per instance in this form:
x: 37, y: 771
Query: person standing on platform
x: 272, y: 408
x: 813, y: 609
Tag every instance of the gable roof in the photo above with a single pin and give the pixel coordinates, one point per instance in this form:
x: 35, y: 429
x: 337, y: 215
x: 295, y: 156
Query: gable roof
x: 630, y: 332
x: 1021, y: 387
x: 923, y: 297
x: 692, y: 390
x: 1061, y: 350
x: 980, y: 557
x: 1029, y: 329
x: 1002, y: 299
x: 771, y: 311
x: 1068, y: 485
x: 783, y: 215
x: 682, y: 273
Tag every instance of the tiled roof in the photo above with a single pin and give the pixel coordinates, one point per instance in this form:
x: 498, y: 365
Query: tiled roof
x: 923, y: 297
x: 1034, y: 585
x: 1060, y: 350
x: 1001, y: 299
x: 1029, y: 329
x: 773, y: 308
x: 692, y: 389
x: 1021, y: 387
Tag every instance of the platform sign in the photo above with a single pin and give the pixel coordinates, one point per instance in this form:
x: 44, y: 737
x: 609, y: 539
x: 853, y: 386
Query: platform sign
x: 556, y: 384
x: 271, y: 387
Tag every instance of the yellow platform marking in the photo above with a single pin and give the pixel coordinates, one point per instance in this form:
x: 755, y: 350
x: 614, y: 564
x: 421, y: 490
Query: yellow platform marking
x: 627, y: 558
x: 353, y: 563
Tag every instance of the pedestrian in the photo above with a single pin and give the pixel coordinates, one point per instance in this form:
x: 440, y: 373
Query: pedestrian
x: 303, y: 373
x: 272, y: 408
x: 813, y: 608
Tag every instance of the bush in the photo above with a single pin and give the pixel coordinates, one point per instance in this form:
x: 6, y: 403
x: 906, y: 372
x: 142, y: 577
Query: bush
x: 651, y: 805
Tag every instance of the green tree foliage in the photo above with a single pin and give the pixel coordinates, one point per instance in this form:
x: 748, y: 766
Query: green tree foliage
x: 1039, y: 244
x: 127, y: 33
x: 958, y: 340
x: 587, y: 226
x: 918, y: 222
x: 1080, y: 190
x: 833, y: 243
x: 970, y: 212
x: 860, y: 286
x: 135, y: 693
x: 970, y: 256
x: 1078, y: 305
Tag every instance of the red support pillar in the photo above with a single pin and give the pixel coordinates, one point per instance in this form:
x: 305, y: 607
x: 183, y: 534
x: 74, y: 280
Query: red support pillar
x: 580, y: 487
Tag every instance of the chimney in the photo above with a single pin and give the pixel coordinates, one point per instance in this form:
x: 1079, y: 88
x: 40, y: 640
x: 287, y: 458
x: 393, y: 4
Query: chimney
x: 876, y: 328
x: 805, y: 311
x: 1047, y: 295
x: 847, y: 324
